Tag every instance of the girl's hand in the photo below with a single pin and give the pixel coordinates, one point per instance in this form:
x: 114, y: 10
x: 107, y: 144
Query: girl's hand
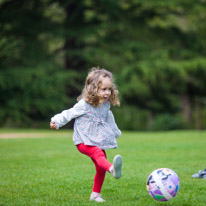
x: 53, y: 125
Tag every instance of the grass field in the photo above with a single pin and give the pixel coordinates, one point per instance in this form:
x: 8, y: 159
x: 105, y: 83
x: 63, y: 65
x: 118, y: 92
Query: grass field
x: 49, y: 170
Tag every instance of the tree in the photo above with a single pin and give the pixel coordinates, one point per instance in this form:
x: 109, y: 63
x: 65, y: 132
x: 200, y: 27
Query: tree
x: 156, y: 50
x: 28, y: 74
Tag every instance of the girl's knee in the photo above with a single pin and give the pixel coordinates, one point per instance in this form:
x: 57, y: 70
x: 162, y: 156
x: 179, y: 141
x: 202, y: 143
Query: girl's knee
x: 98, y: 154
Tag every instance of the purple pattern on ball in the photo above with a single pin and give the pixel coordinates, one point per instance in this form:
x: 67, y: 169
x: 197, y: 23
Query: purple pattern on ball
x: 163, y: 184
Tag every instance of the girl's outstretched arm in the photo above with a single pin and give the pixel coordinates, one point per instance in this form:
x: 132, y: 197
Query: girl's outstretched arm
x: 64, y: 117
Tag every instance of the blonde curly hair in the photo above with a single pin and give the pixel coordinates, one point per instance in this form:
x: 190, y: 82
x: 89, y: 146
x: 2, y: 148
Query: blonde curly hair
x: 92, y: 85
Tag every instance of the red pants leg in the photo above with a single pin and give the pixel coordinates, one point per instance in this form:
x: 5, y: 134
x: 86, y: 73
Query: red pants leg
x: 100, y: 161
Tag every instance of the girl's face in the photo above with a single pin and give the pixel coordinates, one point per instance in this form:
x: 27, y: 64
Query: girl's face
x: 105, y: 89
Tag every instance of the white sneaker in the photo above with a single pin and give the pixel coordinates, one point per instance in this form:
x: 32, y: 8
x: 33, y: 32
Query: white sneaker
x: 117, y: 167
x: 96, y: 197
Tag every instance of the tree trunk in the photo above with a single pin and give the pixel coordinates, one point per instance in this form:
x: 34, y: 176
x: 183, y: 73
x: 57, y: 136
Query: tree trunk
x: 150, y: 120
x: 73, y: 27
x: 186, y: 107
x: 74, y: 45
x: 199, y: 114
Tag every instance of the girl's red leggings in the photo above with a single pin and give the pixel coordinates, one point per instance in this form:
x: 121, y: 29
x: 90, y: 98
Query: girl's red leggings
x: 100, y: 161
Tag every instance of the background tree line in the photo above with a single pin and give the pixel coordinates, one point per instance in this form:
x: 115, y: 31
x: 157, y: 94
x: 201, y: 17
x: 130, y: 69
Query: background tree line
x: 156, y: 50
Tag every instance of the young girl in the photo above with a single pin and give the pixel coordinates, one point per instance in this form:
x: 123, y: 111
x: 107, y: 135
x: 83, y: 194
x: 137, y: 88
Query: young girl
x: 94, y: 128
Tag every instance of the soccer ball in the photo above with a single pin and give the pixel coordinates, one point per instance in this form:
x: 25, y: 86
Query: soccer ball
x: 163, y: 184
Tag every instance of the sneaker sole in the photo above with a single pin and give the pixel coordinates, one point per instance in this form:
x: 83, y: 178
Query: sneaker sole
x: 96, y: 200
x: 117, y: 162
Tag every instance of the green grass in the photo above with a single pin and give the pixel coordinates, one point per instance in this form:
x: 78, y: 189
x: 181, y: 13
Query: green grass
x: 50, y: 170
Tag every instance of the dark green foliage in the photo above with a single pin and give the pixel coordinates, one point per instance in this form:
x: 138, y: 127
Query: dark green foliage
x: 156, y: 51
x: 131, y: 118
x: 167, y: 122
x: 31, y: 93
